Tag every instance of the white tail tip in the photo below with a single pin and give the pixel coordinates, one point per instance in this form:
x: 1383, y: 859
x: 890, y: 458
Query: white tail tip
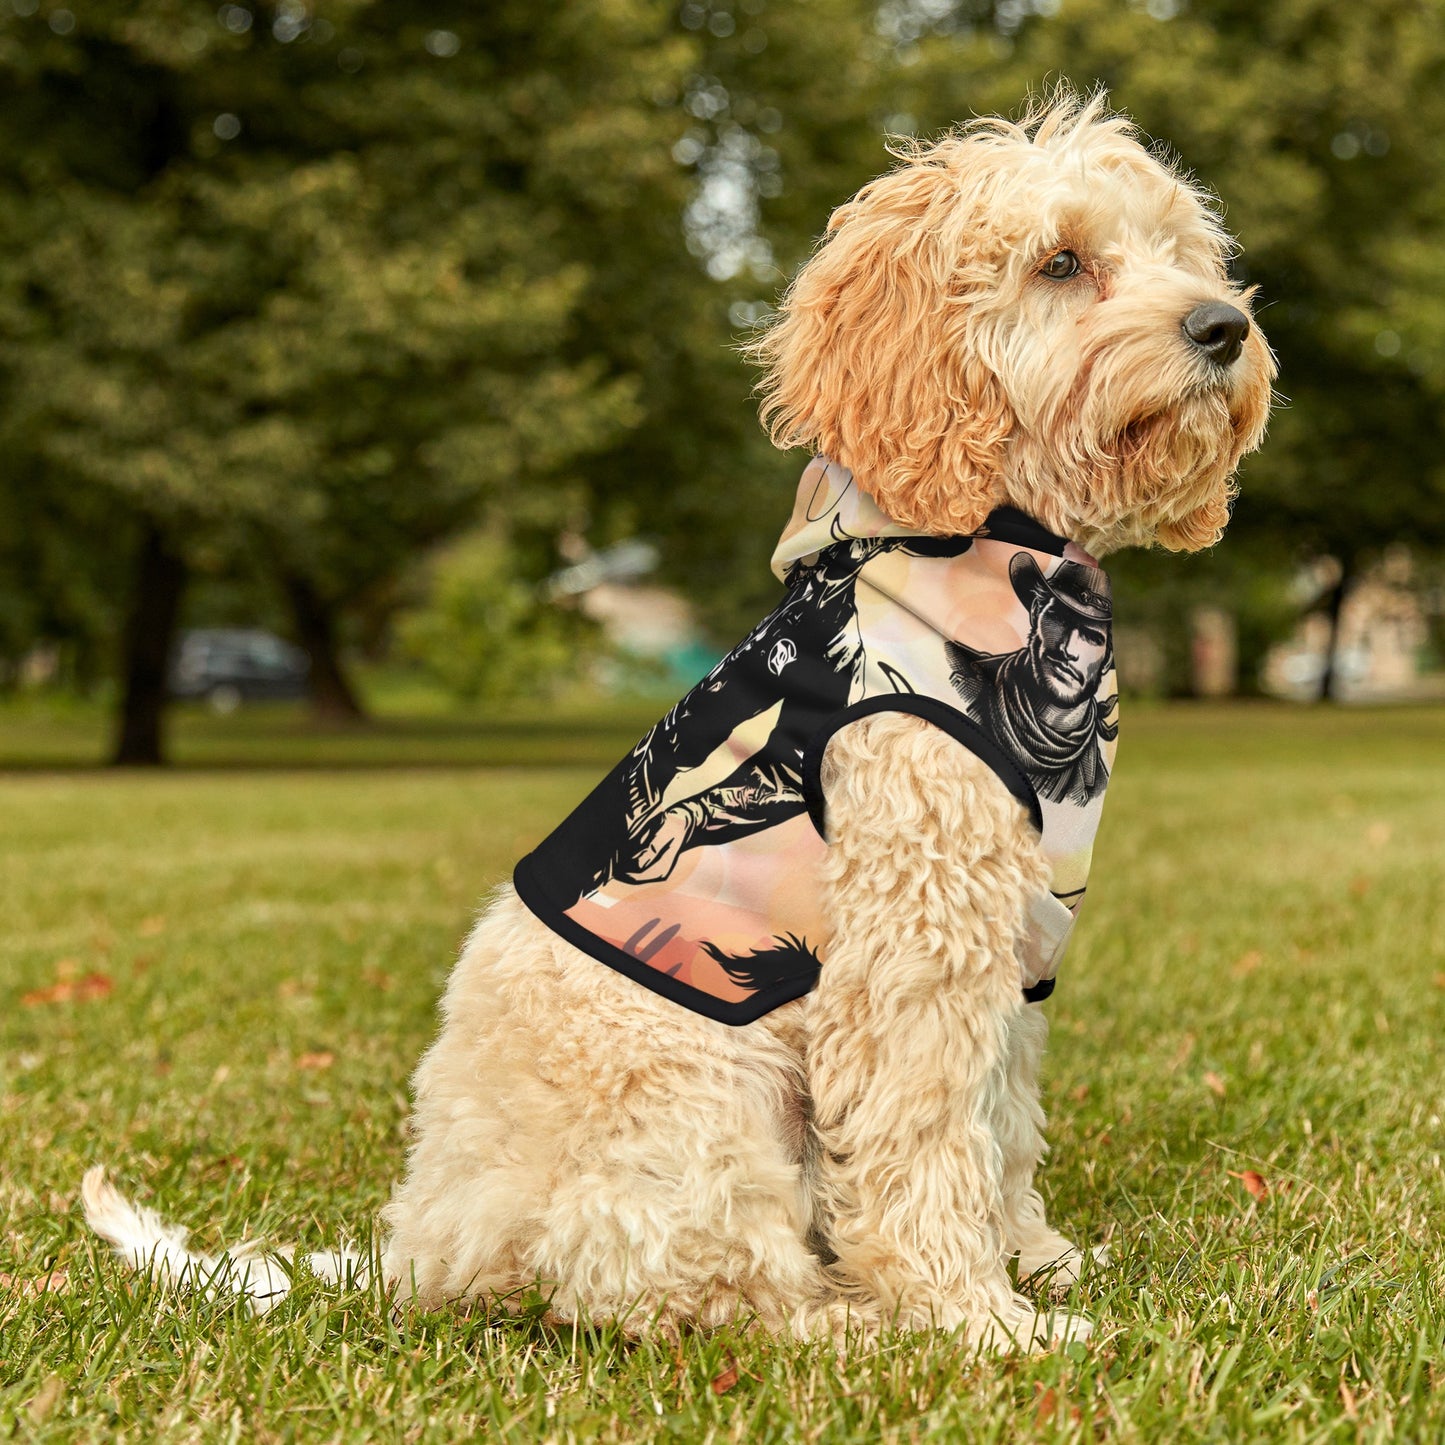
x: 147, y: 1243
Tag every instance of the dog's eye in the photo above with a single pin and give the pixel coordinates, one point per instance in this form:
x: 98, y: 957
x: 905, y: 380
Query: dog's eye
x: 1060, y: 266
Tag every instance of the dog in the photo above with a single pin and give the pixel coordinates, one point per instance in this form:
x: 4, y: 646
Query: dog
x: 1014, y: 353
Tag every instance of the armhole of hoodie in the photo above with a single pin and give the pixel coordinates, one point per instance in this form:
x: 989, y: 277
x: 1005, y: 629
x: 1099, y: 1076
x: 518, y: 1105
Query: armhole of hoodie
x: 960, y: 728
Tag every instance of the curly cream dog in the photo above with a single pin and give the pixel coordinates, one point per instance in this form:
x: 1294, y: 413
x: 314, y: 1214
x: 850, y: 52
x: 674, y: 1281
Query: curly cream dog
x: 1032, y: 315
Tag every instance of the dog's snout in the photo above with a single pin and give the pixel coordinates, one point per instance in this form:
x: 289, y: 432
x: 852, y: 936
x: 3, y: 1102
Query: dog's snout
x: 1218, y: 330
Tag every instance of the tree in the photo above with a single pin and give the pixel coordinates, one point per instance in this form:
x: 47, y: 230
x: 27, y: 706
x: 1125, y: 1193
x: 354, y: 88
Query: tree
x: 294, y: 286
x: 485, y: 633
x: 310, y: 290
x: 767, y: 125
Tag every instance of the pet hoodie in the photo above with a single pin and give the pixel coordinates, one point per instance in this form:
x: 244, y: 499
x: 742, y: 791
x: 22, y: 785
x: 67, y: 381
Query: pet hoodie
x: 695, y: 866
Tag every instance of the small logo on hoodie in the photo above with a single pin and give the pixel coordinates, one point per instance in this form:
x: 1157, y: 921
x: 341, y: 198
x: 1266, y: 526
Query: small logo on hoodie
x: 782, y: 654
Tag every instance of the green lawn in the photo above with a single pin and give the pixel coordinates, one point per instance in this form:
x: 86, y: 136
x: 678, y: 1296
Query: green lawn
x: 410, y: 729
x: 217, y: 980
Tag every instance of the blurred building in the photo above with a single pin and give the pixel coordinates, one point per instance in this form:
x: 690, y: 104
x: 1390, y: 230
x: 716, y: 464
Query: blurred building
x: 654, y: 634
x: 1382, y: 646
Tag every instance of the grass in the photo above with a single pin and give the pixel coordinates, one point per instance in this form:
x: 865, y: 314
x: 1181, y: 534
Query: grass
x: 230, y: 971
x: 410, y: 728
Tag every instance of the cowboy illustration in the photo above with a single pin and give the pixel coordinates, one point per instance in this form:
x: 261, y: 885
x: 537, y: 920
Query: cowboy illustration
x: 1041, y: 703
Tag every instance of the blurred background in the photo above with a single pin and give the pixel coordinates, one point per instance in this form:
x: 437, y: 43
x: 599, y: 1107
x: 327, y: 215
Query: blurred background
x: 366, y: 361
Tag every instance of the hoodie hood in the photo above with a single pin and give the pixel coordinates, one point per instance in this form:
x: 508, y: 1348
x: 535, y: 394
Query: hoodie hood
x: 831, y: 507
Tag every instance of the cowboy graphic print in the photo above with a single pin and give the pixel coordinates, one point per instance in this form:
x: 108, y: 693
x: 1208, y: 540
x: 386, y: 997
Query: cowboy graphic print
x: 1041, y: 700
x: 694, y: 866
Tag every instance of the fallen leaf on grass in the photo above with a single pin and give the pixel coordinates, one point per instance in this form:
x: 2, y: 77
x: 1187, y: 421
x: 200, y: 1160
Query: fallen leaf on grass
x: 377, y: 978
x: 1080, y: 1094
x: 1247, y: 963
x: 66, y: 990
x: 1046, y: 1408
x: 1440, y: 980
x: 724, y: 1382
x: 56, y: 993
x: 1254, y: 1183
x: 1214, y: 1083
x: 56, y: 1282
x: 321, y: 1059
x: 45, y: 1399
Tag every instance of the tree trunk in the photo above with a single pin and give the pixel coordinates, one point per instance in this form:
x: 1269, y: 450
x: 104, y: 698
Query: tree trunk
x: 333, y: 699
x: 1328, y: 675
x: 150, y: 630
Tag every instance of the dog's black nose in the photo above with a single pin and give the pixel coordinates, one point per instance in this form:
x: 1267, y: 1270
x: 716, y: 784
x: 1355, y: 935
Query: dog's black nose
x: 1218, y: 331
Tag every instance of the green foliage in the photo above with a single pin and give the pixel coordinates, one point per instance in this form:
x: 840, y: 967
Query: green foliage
x: 1160, y: 591
x: 60, y: 569
x: 1318, y: 123
x: 316, y: 287
x: 779, y: 120
x: 483, y: 632
x: 310, y: 287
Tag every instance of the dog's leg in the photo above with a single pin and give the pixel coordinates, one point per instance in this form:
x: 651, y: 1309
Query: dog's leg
x: 1019, y: 1127
x: 575, y: 1132
x: 683, y: 1202
x: 930, y: 865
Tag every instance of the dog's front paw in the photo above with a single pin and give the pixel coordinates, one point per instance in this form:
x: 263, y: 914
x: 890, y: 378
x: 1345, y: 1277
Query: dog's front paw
x: 1022, y: 1326
x: 1055, y: 1264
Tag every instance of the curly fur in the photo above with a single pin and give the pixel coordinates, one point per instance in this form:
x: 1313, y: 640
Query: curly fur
x: 865, y: 1155
x: 653, y: 1166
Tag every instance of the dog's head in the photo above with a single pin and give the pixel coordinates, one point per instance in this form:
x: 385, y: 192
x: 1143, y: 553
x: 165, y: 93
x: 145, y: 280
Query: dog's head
x: 1034, y: 313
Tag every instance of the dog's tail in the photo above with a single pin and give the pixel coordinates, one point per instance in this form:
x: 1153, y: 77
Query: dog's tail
x: 147, y: 1243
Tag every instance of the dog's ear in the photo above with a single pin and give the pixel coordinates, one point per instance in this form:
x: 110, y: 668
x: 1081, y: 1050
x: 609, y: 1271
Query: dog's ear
x: 872, y: 360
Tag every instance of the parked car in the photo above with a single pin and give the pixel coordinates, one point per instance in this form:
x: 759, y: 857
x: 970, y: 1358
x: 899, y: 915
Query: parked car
x: 230, y: 665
